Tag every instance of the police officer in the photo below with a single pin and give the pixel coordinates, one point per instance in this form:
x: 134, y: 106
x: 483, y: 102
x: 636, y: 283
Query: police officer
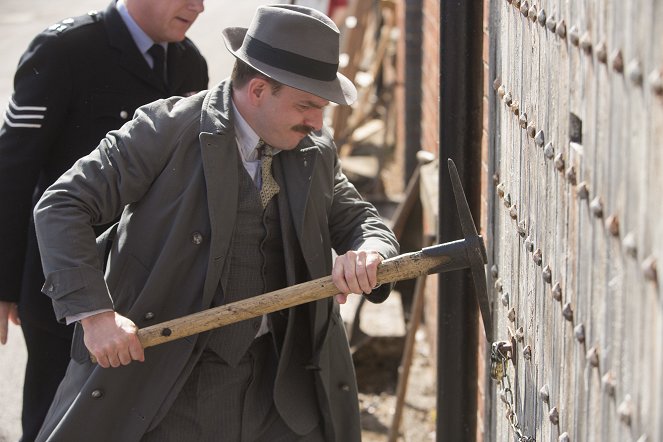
x: 78, y: 79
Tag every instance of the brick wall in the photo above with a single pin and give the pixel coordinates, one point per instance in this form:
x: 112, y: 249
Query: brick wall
x: 430, y: 81
x: 430, y: 134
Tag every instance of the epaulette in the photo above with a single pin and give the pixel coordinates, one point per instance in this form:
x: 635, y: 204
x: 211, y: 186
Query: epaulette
x: 75, y: 22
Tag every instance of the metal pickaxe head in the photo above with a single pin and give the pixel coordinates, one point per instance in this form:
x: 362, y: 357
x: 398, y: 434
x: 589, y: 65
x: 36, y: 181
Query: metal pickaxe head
x: 469, y: 252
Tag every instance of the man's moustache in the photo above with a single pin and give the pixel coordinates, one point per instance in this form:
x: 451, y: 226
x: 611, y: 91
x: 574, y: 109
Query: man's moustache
x: 301, y: 128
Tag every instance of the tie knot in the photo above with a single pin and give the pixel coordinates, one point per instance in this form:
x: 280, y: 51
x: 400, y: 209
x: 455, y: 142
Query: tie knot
x: 157, y: 52
x: 263, y: 149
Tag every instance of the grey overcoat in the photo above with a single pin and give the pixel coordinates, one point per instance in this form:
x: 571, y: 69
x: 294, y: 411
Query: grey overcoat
x: 172, y: 174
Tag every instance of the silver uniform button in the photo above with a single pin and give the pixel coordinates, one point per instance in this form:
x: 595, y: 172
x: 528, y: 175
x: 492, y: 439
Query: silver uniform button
x: 97, y: 394
x: 149, y: 315
x: 197, y: 238
x: 124, y: 115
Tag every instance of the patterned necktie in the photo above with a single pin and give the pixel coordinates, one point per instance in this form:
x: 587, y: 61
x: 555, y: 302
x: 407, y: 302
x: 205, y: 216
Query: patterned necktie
x: 269, y: 185
x: 158, y: 54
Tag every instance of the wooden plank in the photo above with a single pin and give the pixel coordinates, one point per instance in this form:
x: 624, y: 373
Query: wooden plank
x: 548, y: 332
x: 559, y: 204
x: 544, y: 344
x: 602, y: 409
x: 620, y: 139
x: 599, y: 159
x: 648, y: 300
x: 564, y: 401
x: 637, y: 189
x: 498, y: 31
x: 654, y: 295
x: 578, y: 228
x: 500, y: 426
x: 516, y: 145
x: 529, y: 211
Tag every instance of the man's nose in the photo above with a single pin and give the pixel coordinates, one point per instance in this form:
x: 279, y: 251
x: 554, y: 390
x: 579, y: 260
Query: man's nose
x: 314, y: 119
x: 197, y: 5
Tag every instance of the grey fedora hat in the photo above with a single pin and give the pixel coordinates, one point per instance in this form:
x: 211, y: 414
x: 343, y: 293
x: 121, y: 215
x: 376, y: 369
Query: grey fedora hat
x: 296, y: 46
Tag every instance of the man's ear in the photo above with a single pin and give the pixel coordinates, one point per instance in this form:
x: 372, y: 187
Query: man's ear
x: 257, y: 88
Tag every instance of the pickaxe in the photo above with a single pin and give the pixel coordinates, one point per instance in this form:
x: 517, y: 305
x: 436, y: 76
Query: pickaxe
x: 469, y: 252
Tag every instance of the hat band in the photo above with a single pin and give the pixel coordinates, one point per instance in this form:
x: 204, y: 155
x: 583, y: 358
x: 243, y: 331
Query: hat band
x: 289, y: 61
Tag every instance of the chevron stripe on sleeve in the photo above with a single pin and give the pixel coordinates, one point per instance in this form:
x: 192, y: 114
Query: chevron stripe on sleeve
x: 24, y: 116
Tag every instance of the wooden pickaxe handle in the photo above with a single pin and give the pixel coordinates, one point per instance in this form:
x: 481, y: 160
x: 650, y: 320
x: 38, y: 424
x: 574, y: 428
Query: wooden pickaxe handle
x: 469, y: 253
x: 464, y: 253
x: 406, y: 266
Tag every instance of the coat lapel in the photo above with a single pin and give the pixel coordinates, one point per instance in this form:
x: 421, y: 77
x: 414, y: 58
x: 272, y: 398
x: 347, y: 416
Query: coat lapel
x: 219, y: 154
x: 307, y: 212
x: 299, y: 350
x: 300, y: 164
x: 220, y: 169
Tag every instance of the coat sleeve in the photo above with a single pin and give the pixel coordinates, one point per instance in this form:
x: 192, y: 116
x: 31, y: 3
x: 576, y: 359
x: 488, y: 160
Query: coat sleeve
x: 32, y: 124
x: 356, y: 225
x: 93, y: 192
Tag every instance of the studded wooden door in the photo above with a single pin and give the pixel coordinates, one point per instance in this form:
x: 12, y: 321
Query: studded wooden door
x: 575, y: 223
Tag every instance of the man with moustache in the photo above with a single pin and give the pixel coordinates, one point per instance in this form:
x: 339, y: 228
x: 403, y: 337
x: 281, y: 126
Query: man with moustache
x: 225, y: 195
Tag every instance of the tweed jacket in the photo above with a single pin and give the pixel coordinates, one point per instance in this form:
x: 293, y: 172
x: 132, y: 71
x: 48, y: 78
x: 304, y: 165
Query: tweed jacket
x: 172, y: 173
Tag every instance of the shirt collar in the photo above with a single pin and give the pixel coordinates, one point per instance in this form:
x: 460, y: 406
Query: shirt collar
x: 142, y: 40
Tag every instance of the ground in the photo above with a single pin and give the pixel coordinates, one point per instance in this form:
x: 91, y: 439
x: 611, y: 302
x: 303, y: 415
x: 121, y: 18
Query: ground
x: 377, y: 376
x: 377, y: 354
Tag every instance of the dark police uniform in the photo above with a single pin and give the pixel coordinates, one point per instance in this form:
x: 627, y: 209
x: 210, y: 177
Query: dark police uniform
x: 77, y: 80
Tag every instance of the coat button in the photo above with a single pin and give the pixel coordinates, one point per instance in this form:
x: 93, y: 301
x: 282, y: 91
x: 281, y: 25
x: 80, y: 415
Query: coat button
x: 149, y: 315
x: 51, y: 288
x: 124, y: 114
x: 197, y: 238
x: 344, y: 387
x: 97, y: 394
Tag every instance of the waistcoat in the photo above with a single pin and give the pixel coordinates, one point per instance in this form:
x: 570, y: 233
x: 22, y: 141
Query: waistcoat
x: 254, y: 266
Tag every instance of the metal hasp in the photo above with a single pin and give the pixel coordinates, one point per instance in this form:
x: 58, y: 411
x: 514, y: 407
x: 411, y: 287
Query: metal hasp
x: 469, y: 252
